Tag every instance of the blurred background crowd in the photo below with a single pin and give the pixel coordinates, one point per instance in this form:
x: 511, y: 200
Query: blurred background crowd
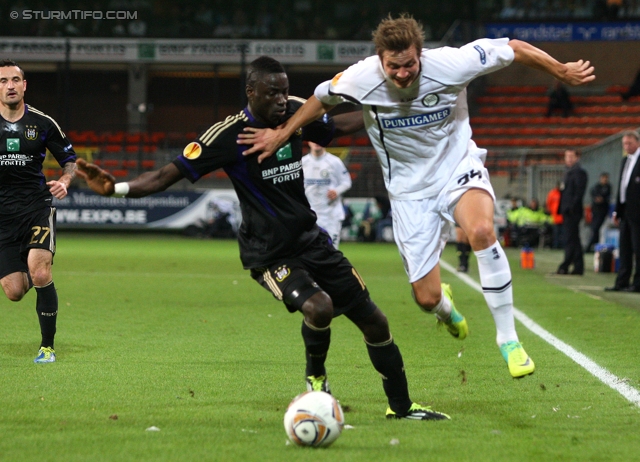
x: 291, y: 19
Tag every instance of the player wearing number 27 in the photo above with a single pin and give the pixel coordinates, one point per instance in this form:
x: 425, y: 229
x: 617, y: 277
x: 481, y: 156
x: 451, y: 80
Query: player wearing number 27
x: 27, y: 217
x: 415, y: 111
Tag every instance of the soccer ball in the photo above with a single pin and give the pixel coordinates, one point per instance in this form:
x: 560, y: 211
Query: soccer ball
x: 313, y: 418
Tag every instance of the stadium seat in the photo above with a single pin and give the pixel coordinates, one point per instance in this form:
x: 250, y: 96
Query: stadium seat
x: 362, y: 141
x: 115, y: 137
x: 130, y: 163
x: 343, y: 141
x: 120, y: 173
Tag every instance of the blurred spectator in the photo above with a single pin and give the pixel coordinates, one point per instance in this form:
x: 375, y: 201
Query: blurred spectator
x: 553, y: 209
x: 634, y: 89
x: 529, y: 224
x: 375, y: 221
x: 573, y: 189
x: 600, y: 200
x: 627, y: 215
x: 559, y: 99
x: 613, y: 8
x: 137, y: 28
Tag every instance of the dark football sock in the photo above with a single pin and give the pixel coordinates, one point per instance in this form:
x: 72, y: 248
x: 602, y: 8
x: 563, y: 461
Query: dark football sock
x: 387, y: 360
x: 47, y: 309
x: 316, y: 342
x: 465, y: 250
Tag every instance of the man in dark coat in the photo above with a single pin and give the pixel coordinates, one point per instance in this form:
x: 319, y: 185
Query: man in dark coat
x: 573, y: 189
x: 627, y: 215
x: 600, y: 200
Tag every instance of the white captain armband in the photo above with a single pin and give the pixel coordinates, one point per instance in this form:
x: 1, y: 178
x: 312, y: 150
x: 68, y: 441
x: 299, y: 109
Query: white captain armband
x: 120, y: 189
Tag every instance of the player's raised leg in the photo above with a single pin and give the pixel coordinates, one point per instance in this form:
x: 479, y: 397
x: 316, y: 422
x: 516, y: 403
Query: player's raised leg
x: 421, y: 234
x: 436, y: 298
x: 474, y: 214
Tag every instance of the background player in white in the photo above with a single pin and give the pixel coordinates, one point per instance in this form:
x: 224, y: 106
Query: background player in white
x: 326, y: 179
x: 416, y: 115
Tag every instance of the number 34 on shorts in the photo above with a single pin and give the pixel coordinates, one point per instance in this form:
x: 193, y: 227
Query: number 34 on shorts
x: 470, y: 175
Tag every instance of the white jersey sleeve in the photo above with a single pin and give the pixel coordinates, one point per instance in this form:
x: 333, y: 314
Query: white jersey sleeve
x: 458, y: 66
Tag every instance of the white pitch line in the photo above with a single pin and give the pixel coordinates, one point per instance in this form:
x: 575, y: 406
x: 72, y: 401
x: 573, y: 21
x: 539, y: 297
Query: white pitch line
x: 606, y: 377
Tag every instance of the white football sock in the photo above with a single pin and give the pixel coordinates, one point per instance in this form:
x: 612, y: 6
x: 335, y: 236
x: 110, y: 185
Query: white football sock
x: 495, y: 277
x: 443, y: 309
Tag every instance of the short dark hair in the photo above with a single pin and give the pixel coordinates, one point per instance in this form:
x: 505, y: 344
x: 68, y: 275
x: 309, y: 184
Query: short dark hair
x: 398, y: 34
x: 261, y: 66
x: 11, y: 63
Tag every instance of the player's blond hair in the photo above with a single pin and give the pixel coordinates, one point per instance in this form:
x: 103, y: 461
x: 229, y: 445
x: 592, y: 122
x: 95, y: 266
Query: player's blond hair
x: 398, y: 34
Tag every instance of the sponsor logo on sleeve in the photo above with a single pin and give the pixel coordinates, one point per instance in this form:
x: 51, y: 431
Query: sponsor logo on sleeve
x: 192, y: 150
x: 334, y: 81
x: 483, y: 55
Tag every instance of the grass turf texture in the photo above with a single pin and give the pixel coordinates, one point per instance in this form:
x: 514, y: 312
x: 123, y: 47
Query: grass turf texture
x: 173, y: 333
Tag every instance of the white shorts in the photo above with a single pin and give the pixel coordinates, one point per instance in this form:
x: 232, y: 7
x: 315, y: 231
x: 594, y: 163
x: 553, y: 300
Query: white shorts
x: 421, y: 227
x: 333, y: 228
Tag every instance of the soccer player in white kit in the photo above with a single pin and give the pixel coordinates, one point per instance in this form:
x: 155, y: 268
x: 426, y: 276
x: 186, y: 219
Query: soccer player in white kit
x: 326, y: 179
x: 415, y: 111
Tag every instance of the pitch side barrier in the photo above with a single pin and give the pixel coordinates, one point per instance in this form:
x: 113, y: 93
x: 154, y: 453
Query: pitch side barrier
x: 83, y: 209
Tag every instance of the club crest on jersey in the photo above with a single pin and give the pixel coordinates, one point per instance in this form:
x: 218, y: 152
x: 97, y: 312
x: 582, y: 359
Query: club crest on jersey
x: 31, y: 132
x: 192, y: 150
x: 282, y: 273
x: 284, y: 152
x: 13, y: 144
x: 430, y: 100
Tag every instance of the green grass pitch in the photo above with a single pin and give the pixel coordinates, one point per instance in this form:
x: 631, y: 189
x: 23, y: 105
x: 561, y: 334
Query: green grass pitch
x: 161, y: 331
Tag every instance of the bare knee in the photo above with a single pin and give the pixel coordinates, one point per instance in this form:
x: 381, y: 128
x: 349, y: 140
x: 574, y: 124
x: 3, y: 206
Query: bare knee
x: 427, y: 300
x: 15, y: 286
x: 318, y: 309
x: 15, y: 295
x: 41, y: 277
x: 481, y: 235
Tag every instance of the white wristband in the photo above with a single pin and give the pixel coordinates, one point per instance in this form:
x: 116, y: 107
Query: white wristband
x: 120, y: 189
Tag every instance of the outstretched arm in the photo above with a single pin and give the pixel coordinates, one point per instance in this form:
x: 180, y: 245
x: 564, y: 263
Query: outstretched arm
x: 103, y: 183
x: 269, y: 140
x: 573, y: 73
x: 348, y: 123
